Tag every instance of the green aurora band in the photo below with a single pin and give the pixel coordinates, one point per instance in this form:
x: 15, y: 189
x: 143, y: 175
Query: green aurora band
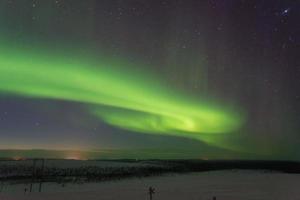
x: 114, y: 92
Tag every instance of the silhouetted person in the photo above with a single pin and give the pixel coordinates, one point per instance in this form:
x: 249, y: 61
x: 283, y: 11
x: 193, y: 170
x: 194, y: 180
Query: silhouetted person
x: 214, y: 198
x: 151, y: 192
x: 25, y: 190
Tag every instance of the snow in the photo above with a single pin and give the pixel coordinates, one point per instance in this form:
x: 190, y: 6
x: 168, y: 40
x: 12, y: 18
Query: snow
x: 225, y: 185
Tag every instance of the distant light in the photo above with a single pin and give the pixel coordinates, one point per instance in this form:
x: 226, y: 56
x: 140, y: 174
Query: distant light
x: 18, y: 158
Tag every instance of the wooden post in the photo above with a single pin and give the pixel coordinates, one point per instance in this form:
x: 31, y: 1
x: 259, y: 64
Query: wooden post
x: 151, y: 192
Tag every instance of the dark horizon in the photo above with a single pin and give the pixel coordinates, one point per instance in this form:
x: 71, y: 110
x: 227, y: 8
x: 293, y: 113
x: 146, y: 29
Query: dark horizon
x: 124, y: 154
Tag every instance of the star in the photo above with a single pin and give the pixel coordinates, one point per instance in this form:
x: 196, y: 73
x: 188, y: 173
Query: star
x: 285, y: 11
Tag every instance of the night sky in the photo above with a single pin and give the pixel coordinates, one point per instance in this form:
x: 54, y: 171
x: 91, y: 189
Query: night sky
x: 209, y: 79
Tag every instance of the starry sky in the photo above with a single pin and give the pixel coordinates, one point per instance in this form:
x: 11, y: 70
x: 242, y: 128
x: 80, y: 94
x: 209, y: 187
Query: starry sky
x: 206, y: 79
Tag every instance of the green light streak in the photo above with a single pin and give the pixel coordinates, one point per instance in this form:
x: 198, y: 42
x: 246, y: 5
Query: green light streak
x: 121, y: 97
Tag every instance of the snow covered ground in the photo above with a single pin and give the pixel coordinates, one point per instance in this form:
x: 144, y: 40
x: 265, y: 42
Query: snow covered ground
x: 225, y: 185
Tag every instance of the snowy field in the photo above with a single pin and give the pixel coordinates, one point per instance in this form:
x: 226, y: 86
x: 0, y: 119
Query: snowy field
x: 224, y: 185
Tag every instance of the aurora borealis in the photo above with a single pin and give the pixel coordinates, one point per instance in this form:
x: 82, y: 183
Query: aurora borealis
x: 138, y: 103
x: 174, y: 77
